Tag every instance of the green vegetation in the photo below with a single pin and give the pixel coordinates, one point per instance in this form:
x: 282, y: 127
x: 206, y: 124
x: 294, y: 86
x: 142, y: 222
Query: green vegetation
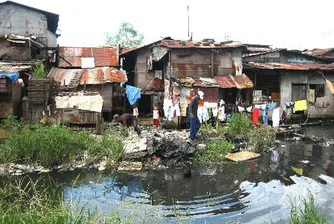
x: 261, y: 137
x: 309, y: 214
x: 110, y: 146
x: 215, y: 151
x: 55, y: 144
x: 126, y: 36
x: 239, y: 124
x: 46, y: 145
x: 39, y: 71
x: 42, y: 201
x: 209, y: 130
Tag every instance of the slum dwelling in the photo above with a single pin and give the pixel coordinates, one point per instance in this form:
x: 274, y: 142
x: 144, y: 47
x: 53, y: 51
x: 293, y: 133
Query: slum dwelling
x: 311, y: 84
x: 89, y: 80
x: 169, y: 72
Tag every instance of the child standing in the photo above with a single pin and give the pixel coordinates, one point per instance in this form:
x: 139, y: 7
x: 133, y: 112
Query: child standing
x: 135, y: 112
x: 156, y: 118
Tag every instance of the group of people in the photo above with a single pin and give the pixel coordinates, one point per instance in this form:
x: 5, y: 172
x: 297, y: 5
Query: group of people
x: 195, y: 117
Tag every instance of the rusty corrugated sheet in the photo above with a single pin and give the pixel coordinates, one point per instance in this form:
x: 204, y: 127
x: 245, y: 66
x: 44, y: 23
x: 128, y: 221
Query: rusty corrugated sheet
x: 319, y: 52
x: 182, y: 70
x: 89, y: 76
x: 170, y: 43
x: 229, y: 81
x: 71, y: 56
x: 296, y: 67
x: 225, y: 81
x: 198, y: 44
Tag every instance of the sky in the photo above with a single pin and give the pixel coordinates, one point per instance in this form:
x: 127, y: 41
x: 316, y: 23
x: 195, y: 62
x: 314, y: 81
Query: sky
x: 292, y: 24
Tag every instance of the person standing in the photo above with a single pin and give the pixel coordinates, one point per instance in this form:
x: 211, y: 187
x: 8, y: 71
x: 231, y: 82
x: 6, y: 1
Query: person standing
x: 135, y: 112
x: 265, y: 115
x: 156, y: 118
x: 255, y: 115
x: 193, y: 116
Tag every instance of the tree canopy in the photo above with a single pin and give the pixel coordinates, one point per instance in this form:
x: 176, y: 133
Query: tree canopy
x: 126, y: 36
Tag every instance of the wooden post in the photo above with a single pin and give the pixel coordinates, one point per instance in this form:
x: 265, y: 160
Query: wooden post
x: 98, y: 117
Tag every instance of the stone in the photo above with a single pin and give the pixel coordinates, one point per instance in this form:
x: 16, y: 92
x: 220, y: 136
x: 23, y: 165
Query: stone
x: 201, y: 146
x: 102, y: 166
x: 130, y: 166
x: 135, y: 148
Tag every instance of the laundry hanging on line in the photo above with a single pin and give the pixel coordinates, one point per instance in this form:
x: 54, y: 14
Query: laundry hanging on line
x: 300, y: 105
x: 133, y: 94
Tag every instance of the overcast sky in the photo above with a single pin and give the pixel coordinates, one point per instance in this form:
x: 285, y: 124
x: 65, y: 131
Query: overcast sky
x: 294, y: 24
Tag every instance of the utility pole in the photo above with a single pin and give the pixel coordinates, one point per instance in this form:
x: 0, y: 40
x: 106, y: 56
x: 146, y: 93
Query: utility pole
x: 188, y: 21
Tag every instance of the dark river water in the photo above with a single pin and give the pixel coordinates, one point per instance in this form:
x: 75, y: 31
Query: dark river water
x: 257, y: 191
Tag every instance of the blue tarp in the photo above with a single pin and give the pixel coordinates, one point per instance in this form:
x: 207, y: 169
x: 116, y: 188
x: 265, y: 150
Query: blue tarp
x: 133, y: 94
x: 14, y: 76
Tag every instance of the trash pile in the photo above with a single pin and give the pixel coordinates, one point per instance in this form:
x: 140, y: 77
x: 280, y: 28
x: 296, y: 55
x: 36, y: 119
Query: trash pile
x: 171, y: 147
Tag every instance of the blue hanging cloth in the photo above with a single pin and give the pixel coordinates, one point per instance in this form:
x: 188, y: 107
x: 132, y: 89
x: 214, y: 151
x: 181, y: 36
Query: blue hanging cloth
x: 14, y: 76
x: 133, y: 94
x: 272, y: 106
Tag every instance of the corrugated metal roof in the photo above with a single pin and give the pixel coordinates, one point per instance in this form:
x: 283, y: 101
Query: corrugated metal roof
x: 319, y: 52
x: 230, y: 81
x: 71, y: 56
x: 197, y: 82
x: 75, y: 77
x: 198, y: 44
x: 170, y: 43
x: 297, y: 67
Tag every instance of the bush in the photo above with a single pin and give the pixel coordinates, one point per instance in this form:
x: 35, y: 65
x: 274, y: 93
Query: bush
x: 45, y: 145
x: 39, y: 71
x: 110, y: 145
x: 239, y: 124
x: 215, y: 151
x: 261, y: 137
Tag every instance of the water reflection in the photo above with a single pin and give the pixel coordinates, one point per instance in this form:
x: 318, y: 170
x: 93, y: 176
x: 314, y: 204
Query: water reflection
x: 248, y: 192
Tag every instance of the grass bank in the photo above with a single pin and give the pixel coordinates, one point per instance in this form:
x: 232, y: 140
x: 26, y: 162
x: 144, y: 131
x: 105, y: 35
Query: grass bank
x: 50, y: 145
x: 42, y: 201
x: 258, y: 138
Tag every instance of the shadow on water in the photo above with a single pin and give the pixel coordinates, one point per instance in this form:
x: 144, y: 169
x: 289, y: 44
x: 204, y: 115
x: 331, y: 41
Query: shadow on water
x: 257, y: 191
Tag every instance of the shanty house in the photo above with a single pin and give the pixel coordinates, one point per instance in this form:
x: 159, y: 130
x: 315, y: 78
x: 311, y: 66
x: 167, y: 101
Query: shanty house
x: 27, y: 33
x: 83, y: 69
x: 170, y: 67
x: 291, y: 78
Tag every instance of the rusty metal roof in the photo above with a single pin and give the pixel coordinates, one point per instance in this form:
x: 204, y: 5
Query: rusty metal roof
x: 318, y: 51
x: 179, y: 44
x: 231, y: 81
x: 197, y: 44
x: 72, y: 56
x: 296, y: 67
x: 198, y: 82
x: 322, y: 53
x: 75, y: 77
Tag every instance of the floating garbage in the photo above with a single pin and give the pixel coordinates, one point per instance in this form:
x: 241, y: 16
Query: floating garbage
x: 242, y: 156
